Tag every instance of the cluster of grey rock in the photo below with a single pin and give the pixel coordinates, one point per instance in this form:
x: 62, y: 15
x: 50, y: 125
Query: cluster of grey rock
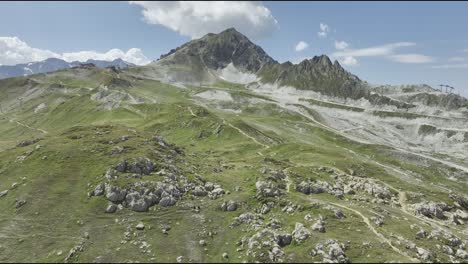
x: 345, y: 184
x: 266, y: 245
x: 142, y: 195
x: 332, y: 252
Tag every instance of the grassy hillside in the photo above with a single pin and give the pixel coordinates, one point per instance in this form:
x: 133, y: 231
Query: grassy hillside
x: 91, y: 122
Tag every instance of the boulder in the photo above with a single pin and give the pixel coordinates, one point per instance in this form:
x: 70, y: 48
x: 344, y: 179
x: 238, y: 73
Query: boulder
x: 229, y: 206
x: 300, y: 232
x: 283, y: 239
x: 99, y: 190
x: 430, y: 209
x: 111, y: 208
x: 462, y: 254
x: 3, y: 193
x: 421, y: 234
x: 199, y: 191
x: 338, y: 213
x: 167, y: 201
x: 423, y: 254
x: 267, y: 189
x: 303, y: 187
x: 115, y: 194
x: 19, y: 203
x: 140, y: 226
x: 319, y: 226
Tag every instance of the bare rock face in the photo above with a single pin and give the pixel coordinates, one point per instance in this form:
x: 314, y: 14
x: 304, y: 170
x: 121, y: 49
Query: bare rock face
x: 218, y: 50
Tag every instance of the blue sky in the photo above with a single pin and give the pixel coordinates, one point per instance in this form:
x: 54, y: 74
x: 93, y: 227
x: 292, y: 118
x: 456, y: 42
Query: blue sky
x: 381, y: 42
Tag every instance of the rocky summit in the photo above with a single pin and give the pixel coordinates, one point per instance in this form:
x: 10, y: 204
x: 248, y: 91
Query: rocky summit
x: 218, y: 153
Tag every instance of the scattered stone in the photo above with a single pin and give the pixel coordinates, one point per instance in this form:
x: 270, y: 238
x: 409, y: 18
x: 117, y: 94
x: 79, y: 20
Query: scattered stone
x: 111, y: 208
x: 319, y: 226
x: 140, y: 226
x: 180, y: 259
x: 202, y: 243
x: 28, y: 142
x: 19, y: 203
x: 422, y: 253
x: 86, y: 235
x: 461, y: 254
x: 378, y: 220
x: 3, y: 193
x: 117, y: 150
x: 225, y: 255
x: 99, y: 190
x: 338, y: 213
x: 421, y: 234
x: 14, y: 185
x: 216, y: 193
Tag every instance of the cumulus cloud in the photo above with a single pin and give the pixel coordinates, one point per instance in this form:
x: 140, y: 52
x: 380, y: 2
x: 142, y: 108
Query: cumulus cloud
x: 14, y: 51
x: 195, y: 19
x: 411, y: 58
x: 133, y: 55
x: 341, y: 45
x: 324, y: 29
x: 386, y: 51
x: 349, y: 61
x: 301, y: 46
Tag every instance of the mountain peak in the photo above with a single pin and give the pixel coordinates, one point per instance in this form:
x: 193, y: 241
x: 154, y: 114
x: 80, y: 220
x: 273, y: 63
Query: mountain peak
x: 216, y: 51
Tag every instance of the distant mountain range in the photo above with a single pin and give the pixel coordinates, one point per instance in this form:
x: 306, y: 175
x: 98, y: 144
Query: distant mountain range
x: 53, y: 64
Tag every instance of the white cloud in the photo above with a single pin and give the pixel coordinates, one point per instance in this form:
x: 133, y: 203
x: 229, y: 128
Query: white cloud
x: 301, y: 46
x: 349, y: 61
x: 373, y: 51
x: 387, y: 51
x: 196, y: 19
x: 324, y: 29
x: 454, y: 59
x: 341, y: 45
x: 411, y: 58
x: 14, y: 51
x: 451, y: 66
x: 133, y: 55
